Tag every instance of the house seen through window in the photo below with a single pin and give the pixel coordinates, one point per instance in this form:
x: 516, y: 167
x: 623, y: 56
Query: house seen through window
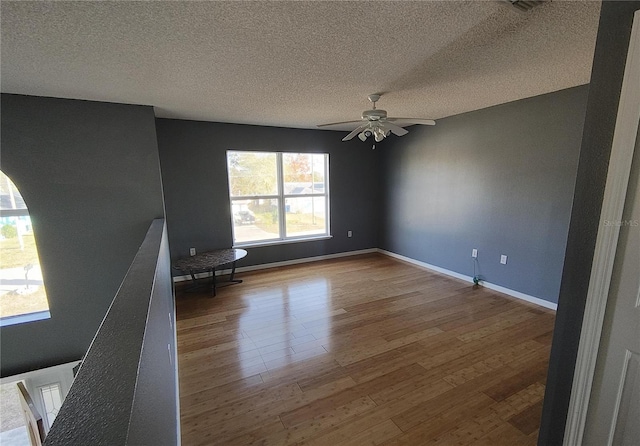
x: 22, y: 289
x: 277, y: 197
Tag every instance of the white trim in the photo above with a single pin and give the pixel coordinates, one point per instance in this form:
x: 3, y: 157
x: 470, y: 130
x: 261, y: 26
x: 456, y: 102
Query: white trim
x: 491, y: 286
x: 174, y: 340
x: 624, y: 378
x: 283, y: 263
x: 622, y: 149
x: 272, y: 242
x: 24, y: 318
x: 518, y: 295
x: 427, y: 265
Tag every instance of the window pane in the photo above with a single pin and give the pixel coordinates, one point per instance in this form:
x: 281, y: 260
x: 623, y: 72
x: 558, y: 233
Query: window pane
x: 22, y: 289
x: 52, y: 399
x: 305, y: 216
x: 255, y: 220
x: 298, y: 176
x: 252, y: 173
x: 303, y: 173
x: 318, y: 165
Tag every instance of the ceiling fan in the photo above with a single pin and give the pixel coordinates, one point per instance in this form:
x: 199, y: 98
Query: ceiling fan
x: 376, y: 123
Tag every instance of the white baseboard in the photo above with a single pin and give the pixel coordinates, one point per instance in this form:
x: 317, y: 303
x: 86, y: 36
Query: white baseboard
x: 426, y: 265
x: 283, y: 263
x: 491, y: 286
x: 518, y: 295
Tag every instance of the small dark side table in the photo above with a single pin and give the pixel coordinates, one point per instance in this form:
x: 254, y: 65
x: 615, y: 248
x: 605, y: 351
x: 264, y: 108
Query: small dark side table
x: 209, y: 261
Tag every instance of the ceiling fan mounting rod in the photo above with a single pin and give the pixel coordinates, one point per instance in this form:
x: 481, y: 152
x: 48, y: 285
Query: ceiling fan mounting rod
x: 374, y: 98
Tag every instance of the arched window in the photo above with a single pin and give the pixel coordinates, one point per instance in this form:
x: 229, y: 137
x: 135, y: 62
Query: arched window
x: 22, y: 294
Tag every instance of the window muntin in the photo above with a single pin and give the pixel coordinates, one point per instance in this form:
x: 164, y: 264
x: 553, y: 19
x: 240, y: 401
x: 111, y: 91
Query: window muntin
x: 22, y: 290
x: 278, y: 196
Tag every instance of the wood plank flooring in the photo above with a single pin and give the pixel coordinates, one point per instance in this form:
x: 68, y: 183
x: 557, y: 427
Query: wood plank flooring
x: 356, y: 351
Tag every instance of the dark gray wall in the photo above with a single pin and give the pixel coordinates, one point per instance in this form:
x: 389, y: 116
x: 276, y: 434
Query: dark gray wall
x: 194, y: 173
x: 616, y: 19
x: 499, y: 179
x: 89, y: 173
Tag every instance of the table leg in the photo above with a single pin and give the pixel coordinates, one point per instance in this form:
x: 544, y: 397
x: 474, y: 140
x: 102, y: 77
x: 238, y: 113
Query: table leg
x: 233, y: 272
x: 213, y: 280
x: 194, y: 287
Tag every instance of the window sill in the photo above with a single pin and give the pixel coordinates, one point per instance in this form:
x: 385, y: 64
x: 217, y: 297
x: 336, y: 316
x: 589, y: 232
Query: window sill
x: 281, y: 242
x: 24, y: 318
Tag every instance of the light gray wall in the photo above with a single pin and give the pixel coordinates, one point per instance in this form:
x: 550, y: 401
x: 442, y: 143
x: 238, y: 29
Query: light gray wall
x: 616, y: 18
x: 89, y: 173
x: 499, y: 179
x: 194, y: 173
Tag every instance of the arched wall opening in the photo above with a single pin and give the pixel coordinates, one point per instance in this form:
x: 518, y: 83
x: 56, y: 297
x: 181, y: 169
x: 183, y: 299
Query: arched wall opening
x: 23, y: 296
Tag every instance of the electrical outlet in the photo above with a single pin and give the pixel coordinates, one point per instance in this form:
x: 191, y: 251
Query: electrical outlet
x: 474, y: 253
x: 349, y: 234
x: 192, y: 251
x: 503, y: 259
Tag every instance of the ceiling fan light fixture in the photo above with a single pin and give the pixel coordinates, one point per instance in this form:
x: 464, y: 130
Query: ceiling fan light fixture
x: 524, y: 5
x: 378, y: 134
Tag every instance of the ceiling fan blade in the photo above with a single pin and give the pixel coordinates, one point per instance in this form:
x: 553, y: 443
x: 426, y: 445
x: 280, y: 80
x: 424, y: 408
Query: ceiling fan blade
x: 355, y: 132
x: 410, y: 121
x: 395, y: 129
x: 340, y: 123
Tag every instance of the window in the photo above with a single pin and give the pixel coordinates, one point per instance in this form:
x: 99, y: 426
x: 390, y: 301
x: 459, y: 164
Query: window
x: 52, y: 400
x: 22, y: 294
x: 278, y: 196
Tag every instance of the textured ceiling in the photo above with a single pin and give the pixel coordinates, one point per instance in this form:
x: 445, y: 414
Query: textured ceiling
x: 296, y: 64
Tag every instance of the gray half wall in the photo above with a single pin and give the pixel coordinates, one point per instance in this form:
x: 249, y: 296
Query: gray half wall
x: 194, y: 173
x: 499, y: 179
x: 90, y: 175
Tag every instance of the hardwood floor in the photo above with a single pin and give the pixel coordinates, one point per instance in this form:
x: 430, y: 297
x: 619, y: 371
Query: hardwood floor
x: 360, y: 350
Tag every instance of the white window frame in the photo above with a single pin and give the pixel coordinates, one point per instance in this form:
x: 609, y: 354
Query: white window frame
x: 281, y: 197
